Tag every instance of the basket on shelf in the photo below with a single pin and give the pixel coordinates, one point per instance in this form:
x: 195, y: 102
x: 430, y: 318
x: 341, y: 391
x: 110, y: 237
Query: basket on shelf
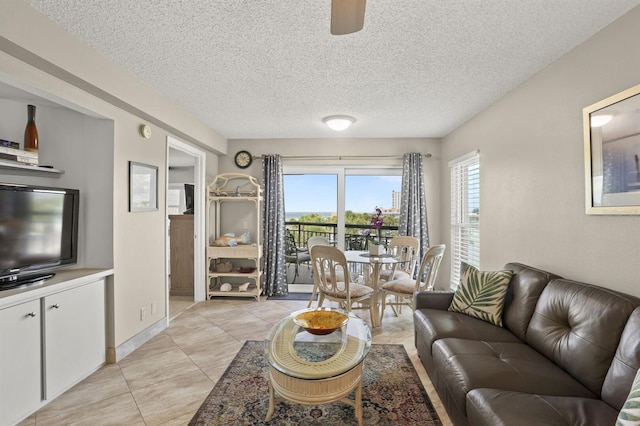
x: 224, y: 267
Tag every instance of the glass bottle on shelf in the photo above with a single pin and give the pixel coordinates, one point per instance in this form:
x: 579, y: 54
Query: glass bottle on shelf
x: 31, y: 131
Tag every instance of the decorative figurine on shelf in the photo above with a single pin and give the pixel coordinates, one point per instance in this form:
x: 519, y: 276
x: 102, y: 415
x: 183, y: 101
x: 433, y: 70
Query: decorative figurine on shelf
x: 31, y: 131
x: 237, y: 191
x: 225, y: 287
x: 243, y: 287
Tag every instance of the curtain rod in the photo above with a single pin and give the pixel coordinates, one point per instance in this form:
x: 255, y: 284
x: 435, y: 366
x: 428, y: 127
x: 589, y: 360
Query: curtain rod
x: 336, y: 157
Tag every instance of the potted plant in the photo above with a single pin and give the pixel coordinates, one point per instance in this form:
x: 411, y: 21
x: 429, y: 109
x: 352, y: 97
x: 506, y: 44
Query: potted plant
x: 376, y: 248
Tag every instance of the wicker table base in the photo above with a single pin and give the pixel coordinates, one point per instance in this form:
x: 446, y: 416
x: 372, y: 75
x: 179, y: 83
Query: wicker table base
x: 312, y: 369
x: 316, y: 391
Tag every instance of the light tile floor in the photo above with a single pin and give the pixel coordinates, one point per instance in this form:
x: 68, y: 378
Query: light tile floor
x: 166, y: 380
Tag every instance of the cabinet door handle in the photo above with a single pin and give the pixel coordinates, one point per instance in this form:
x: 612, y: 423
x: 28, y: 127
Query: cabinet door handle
x: 55, y: 306
x: 31, y: 314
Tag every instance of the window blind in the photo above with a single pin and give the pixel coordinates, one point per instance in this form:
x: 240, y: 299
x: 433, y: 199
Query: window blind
x: 465, y: 213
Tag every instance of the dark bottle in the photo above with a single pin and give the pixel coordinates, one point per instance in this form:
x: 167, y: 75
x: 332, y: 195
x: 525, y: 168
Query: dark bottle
x: 31, y: 131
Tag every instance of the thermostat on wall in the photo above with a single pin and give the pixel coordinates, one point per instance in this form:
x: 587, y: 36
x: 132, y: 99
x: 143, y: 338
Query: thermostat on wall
x: 145, y: 131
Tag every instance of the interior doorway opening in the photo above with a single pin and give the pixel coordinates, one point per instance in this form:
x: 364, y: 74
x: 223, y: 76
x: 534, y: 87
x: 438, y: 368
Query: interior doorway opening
x: 185, y: 281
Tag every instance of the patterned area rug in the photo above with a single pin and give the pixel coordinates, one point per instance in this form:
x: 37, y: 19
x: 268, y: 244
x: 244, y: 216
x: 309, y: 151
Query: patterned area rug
x: 392, y: 394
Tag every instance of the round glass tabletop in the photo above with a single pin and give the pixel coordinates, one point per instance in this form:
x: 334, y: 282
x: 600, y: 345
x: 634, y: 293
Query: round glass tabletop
x: 358, y: 256
x: 298, y: 353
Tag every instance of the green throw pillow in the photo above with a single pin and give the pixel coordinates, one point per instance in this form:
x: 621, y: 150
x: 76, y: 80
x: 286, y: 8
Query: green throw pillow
x: 630, y: 413
x: 481, y: 293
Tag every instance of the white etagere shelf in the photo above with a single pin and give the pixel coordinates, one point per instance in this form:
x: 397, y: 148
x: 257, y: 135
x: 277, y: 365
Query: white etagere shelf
x: 232, y: 188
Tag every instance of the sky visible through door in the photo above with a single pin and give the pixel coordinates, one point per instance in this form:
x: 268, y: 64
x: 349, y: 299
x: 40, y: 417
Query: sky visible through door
x: 317, y: 193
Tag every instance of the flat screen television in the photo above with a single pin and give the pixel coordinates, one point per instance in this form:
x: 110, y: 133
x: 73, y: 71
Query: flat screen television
x: 188, y: 198
x: 38, y: 232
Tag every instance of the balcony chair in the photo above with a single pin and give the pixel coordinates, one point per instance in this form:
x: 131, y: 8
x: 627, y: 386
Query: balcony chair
x: 329, y: 264
x: 357, y: 242
x: 294, y: 255
x: 404, y: 247
x: 404, y: 288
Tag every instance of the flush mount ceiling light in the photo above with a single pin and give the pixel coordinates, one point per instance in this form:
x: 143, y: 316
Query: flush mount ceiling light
x: 600, y: 120
x: 338, y: 122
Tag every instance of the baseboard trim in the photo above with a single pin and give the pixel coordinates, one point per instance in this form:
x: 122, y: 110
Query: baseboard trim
x: 300, y: 288
x: 116, y: 355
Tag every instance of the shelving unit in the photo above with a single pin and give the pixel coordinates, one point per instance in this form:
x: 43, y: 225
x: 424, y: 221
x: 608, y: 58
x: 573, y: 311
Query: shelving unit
x: 226, y: 190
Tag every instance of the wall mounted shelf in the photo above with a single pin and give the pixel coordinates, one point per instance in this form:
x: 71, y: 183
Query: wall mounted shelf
x: 30, y: 168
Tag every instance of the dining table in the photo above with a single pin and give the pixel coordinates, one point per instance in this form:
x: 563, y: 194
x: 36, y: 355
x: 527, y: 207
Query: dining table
x: 371, y: 275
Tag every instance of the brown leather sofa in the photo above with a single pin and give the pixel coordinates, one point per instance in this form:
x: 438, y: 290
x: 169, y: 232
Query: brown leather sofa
x: 567, y: 354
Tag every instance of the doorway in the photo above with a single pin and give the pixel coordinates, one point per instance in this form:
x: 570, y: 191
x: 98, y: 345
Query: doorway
x: 185, y: 173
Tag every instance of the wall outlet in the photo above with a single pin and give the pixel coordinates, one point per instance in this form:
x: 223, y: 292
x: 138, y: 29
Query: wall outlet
x: 143, y: 313
x: 245, y: 225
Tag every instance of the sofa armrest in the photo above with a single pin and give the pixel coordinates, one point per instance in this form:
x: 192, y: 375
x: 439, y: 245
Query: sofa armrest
x: 433, y: 300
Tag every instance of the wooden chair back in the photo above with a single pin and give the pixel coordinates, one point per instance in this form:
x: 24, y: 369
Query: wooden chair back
x: 331, y: 273
x: 406, y: 248
x: 429, y: 268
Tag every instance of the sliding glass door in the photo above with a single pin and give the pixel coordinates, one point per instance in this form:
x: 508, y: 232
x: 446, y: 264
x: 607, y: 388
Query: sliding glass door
x: 365, y: 192
x: 339, y: 202
x: 311, y: 206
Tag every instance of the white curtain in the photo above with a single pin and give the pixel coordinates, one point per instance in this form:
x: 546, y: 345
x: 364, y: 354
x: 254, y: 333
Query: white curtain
x: 275, y: 278
x: 413, y: 206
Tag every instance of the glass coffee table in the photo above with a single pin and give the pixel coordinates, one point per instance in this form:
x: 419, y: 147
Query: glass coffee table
x: 314, y: 369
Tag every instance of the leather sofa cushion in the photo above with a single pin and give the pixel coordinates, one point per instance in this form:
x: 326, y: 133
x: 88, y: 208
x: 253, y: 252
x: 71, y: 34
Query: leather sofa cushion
x: 434, y: 324
x: 493, y: 407
x: 433, y: 300
x: 464, y: 365
x: 522, y: 296
x: 625, y: 364
x: 578, y: 326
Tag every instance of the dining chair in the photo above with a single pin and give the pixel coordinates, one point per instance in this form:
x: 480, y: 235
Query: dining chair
x: 329, y: 264
x: 294, y: 255
x: 406, y: 248
x: 403, y: 289
x: 312, y: 241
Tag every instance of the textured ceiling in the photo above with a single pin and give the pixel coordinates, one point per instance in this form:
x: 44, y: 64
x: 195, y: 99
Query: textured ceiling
x: 271, y: 69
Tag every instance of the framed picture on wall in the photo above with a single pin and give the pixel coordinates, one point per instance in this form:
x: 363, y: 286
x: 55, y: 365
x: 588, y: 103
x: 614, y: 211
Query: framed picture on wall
x: 143, y: 187
x: 612, y: 154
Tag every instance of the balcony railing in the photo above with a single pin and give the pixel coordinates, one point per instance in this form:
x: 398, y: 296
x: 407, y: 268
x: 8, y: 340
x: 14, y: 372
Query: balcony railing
x: 357, y: 237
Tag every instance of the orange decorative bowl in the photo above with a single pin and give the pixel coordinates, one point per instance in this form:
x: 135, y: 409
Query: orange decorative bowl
x: 321, y: 321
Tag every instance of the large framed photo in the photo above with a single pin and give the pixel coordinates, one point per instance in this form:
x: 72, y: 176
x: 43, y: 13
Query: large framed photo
x: 612, y: 154
x: 143, y: 187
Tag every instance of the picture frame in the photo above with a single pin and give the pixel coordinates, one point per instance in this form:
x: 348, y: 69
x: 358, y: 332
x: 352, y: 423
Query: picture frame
x: 612, y: 154
x: 143, y: 187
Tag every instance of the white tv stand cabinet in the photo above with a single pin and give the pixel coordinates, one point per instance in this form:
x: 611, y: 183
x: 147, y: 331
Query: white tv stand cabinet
x: 53, y: 336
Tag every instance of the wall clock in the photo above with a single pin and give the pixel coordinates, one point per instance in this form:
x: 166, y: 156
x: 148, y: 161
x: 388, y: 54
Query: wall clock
x: 243, y: 159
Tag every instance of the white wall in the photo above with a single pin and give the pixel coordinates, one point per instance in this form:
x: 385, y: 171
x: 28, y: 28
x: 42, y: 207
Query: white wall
x: 349, y: 147
x: 532, y: 168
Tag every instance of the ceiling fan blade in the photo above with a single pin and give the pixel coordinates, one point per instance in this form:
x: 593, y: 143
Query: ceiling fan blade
x: 347, y: 16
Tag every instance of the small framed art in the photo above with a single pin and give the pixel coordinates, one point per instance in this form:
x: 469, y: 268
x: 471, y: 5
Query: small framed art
x: 143, y: 187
